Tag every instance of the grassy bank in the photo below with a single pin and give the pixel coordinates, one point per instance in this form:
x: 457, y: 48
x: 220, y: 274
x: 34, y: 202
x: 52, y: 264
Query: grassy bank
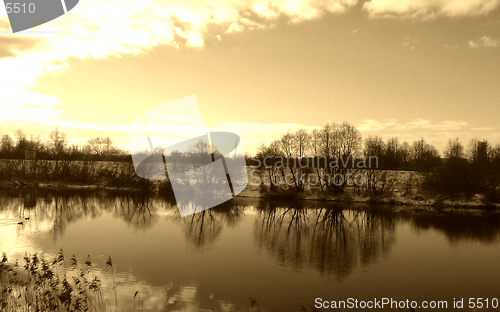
x: 380, y: 186
x: 70, y: 173
x: 393, y: 187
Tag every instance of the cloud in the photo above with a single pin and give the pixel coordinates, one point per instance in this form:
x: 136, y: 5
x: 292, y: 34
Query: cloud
x: 27, y: 105
x: 484, y: 41
x: 4, y: 23
x: 299, y: 11
x: 234, y: 28
x: 419, y: 123
x: 12, y: 46
x: 101, y: 29
x: 429, y: 8
x: 482, y: 129
x: 375, y: 125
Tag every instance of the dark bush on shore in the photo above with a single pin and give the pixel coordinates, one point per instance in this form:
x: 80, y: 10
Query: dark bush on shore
x: 458, y: 177
x: 280, y: 194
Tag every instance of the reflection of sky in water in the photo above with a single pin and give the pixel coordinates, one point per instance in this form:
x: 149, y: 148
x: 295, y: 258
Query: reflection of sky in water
x: 16, y: 239
x: 282, y: 257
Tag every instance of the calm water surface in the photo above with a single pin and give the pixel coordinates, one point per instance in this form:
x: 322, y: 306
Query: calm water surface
x: 283, y: 256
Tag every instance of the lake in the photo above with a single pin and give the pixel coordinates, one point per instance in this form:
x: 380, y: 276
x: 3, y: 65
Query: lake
x: 249, y: 254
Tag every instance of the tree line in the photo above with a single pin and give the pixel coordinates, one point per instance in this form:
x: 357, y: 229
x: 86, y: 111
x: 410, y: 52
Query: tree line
x: 462, y: 169
x: 57, y: 148
x: 474, y: 168
x: 344, y: 140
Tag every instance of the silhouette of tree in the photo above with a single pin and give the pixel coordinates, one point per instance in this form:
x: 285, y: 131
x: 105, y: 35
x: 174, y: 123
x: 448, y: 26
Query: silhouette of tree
x: 58, y: 141
x: 478, y: 152
x: 6, y: 145
x: 21, y: 143
x: 393, y: 154
x: 405, y: 154
x: 375, y: 146
x: 343, y: 143
x: 425, y: 156
x: 100, y: 146
x: 454, y: 149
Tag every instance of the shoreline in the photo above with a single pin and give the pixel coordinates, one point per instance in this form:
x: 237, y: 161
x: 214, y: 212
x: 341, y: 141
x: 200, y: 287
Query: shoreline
x: 62, y: 185
x: 419, y: 201
x: 394, y: 199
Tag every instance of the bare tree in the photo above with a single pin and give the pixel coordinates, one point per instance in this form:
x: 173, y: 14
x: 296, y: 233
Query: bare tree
x: 21, y: 143
x: 375, y: 146
x: 266, y: 156
x: 431, y: 158
x: 392, y: 153
x: 478, y: 151
x: 404, y: 151
x: 417, y: 152
x: 319, y: 159
x: 295, y: 147
x: 302, y: 143
x: 341, y: 143
x: 6, y: 144
x: 200, y: 149
x: 35, y: 143
x: 100, y: 146
x: 495, y: 158
x: 58, y: 141
x: 377, y: 182
x: 425, y: 156
x: 454, y: 149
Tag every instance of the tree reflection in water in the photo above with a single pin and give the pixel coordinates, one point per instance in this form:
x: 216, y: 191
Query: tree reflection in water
x: 458, y: 226
x: 376, y: 233
x: 329, y: 240
x: 138, y: 210
x: 203, y: 228
x: 58, y: 208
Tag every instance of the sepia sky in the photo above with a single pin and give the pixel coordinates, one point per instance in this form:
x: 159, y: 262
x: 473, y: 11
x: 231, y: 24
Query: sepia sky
x: 406, y: 68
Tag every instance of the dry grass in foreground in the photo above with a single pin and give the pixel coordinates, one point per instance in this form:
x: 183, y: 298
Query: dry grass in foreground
x: 42, y: 285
